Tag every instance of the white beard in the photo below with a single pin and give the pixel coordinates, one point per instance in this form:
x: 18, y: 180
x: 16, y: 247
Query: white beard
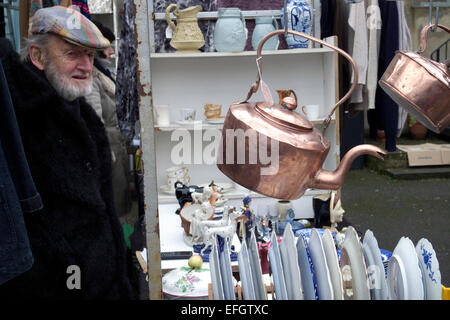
x: 63, y: 85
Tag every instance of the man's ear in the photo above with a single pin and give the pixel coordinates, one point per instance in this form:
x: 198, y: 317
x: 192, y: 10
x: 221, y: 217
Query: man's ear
x: 36, y: 56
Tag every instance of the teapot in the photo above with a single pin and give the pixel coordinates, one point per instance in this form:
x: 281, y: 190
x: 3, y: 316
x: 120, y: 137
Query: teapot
x: 300, y: 148
x: 187, y: 36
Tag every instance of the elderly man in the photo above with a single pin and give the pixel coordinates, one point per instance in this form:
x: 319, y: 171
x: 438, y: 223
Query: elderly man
x: 76, y: 239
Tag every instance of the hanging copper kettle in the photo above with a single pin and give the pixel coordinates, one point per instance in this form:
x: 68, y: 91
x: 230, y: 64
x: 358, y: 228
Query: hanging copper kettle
x: 420, y: 85
x: 300, y: 148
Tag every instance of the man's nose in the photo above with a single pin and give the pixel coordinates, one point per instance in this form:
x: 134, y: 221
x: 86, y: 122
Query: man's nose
x: 85, y: 63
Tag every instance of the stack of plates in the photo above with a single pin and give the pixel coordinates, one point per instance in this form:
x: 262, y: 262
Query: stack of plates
x: 310, y: 268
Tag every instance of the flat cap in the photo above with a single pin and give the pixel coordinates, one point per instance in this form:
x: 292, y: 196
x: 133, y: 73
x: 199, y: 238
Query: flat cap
x: 69, y: 24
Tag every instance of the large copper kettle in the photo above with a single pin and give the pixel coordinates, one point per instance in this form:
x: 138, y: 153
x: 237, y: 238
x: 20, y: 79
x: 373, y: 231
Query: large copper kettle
x: 301, y: 149
x: 420, y: 85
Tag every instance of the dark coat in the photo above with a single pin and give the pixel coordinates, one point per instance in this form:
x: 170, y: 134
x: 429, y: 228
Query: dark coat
x: 70, y: 161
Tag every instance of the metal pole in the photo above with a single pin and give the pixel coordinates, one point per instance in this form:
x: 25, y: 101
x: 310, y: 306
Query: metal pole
x: 142, y: 14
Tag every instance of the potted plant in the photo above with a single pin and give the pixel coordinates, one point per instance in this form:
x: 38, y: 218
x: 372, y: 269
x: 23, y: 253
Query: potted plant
x: 417, y: 130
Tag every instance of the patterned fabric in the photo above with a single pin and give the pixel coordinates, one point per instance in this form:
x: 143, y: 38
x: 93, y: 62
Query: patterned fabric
x: 69, y: 24
x: 126, y: 85
x: 84, y: 8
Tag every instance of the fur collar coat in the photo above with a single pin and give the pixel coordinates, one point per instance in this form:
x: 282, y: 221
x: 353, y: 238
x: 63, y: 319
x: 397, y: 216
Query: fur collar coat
x: 76, y: 239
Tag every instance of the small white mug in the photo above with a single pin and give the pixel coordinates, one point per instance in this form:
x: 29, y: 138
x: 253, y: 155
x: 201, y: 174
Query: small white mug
x: 162, y: 116
x: 187, y: 114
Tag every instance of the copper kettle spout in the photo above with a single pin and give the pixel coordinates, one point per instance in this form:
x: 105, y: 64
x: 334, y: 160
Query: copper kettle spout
x: 333, y: 180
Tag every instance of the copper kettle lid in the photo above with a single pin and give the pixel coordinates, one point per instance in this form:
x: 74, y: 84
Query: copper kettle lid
x: 286, y: 118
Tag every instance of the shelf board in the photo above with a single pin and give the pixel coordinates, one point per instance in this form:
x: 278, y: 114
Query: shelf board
x: 238, y: 194
x: 204, y: 126
x: 175, y: 55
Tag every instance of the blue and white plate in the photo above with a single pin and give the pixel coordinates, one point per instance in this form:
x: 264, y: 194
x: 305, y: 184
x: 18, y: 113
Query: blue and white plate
x: 277, y: 269
x: 431, y: 275
x: 324, y: 285
x: 307, y: 274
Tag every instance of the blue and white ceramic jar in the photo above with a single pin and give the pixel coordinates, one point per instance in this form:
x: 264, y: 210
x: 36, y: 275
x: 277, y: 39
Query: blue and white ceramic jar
x: 230, y: 33
x: 300, y: 18
x: 263, y: 26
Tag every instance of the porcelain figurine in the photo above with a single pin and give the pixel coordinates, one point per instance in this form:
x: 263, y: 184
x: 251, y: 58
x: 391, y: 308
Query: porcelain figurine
x: 201, y: 214
x: 336, y: 210
x: 187, y: 36
x: 300, y: 18
x: 230, y: 33
x: 263, y: 26
x: 209, y: 232
x: 247, y: 222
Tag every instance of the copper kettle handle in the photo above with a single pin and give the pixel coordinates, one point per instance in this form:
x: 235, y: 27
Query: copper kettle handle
x: 255, y: 85
x: 424, y: 34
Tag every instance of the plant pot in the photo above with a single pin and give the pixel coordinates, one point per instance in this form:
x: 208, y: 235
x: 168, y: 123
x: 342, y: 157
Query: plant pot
x: 418, y: 131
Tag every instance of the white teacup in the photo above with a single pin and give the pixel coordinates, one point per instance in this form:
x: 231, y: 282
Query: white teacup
x: 312, y: 111
x: 187, y: 114
x: 162, y: 116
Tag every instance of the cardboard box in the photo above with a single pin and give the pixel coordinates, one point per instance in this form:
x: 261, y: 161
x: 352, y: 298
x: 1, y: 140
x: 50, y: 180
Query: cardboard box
x: 427, y: 154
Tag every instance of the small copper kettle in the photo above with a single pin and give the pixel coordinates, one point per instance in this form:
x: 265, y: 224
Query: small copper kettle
x: 300, y: 148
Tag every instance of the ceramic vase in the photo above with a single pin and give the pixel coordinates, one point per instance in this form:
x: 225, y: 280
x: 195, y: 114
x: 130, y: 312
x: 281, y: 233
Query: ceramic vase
x: 230, y: 33
x: 299, y: 18
x: 265, y: 25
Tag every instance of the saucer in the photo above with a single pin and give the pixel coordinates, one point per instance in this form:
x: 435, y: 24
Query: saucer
x: 189, y: 122
x: 216, y: 120
x: 167, y: 190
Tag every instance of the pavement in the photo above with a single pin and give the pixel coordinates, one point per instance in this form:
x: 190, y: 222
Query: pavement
x: 392, y: 208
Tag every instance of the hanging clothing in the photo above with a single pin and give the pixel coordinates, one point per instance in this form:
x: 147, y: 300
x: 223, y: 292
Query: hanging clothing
x: 358, y: 46
x: 18, y: 194
x: 327, y: 8
x: 84, y: 7
x: 126, y: 81
x: 385, y: 115
x: 364, y: 96
x: 404, y: 44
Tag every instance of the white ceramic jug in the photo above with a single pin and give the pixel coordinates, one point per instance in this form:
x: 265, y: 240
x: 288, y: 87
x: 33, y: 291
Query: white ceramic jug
x: 265, y: 25
x: 230, y: 33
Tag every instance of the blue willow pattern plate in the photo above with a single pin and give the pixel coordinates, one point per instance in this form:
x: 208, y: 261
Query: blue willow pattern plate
x: 429, y: 265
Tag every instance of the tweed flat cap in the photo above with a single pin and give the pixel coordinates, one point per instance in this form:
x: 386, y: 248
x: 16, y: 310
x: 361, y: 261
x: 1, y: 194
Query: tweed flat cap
x: 69, y: 24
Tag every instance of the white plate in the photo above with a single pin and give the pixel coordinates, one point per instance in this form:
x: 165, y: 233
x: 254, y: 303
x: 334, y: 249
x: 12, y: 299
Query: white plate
x: 245, y: 273
x: 333, y: 265
x: 324, y: 286
x: 375, y: 268
x: 226, y: 272
x: 255, y: 264
x: 307, y: 275
x: 407, y: 252
x: 396, y: 279
x: 216, y: 278
x: 289, y: 260
x: 356, y: 264
x: 189, y: 122
x: 167, y: 190
x: 430, y: 270
x: 277, y: 269
x: 216, y: 120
